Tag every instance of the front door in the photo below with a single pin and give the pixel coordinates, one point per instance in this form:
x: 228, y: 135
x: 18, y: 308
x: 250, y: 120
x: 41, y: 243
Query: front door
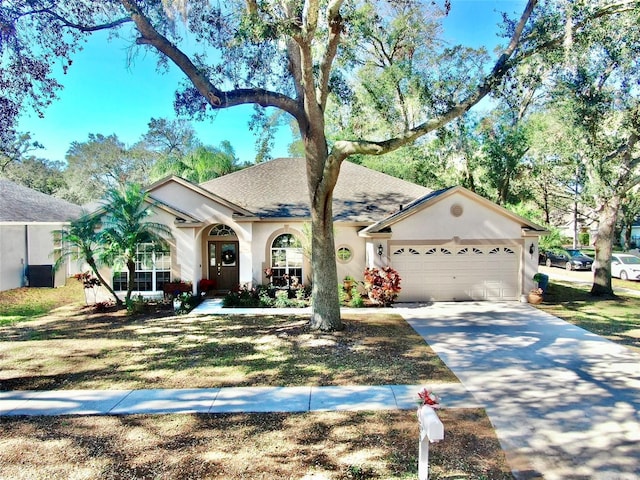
x: 223, y: 264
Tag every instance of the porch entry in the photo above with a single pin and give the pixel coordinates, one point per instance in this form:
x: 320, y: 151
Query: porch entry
x: 223, y: 264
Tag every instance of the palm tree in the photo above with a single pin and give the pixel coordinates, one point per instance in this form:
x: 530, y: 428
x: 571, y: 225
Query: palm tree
x: 81, y: 241
x: 125, y: 227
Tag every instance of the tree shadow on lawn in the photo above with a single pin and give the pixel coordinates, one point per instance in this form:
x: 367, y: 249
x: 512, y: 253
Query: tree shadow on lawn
x: 220, y: 351
x: 616, y: 318
x: 335, y: 445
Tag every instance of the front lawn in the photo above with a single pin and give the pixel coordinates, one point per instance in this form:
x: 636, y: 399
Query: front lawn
x: 616, y: 319
x: 68, y: 350
x: 72, y: 347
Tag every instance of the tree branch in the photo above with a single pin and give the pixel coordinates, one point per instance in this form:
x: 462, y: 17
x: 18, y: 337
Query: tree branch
x: 215, y: 97
x: 310, y: 19
x: 335, y: 22
x: 345, y: 148
x: 78, y: 26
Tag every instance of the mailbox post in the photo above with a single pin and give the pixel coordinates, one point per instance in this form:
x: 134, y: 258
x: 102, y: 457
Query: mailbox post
x: 431, y: 431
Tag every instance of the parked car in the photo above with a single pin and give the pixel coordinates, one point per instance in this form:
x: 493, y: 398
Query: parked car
x: 625, y: 266
x: 570, y: 259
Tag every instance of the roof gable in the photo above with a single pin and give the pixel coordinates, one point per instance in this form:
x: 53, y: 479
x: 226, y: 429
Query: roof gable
x: 22, y: 204
x: 157, y: 186
x: 433, y: 198
x: 278, y: 189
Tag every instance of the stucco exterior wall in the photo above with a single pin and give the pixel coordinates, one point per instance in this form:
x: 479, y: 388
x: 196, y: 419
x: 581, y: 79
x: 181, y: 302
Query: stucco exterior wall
x: 197, y: 205
x: 437, y: 222
x: 23, y: 244
x: 12, y: 256
x: 347, y: 236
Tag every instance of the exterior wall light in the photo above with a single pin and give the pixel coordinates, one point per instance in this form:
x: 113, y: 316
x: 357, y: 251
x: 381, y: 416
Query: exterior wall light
x: 380, y: 250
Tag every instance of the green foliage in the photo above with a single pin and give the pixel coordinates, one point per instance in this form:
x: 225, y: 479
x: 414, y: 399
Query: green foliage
x: 504, y: 148
x: 199, y: 165
x: 266, y: 297
x: 356, y: 298
x: 38, y: 174
x: 583, y: 238
x: 82, y: 241
x: 243, y: 297
x: 99, y: 164
x: 185, y: 302
x: 125, y: 226
x: 552, y: 241
x: 136, y: 305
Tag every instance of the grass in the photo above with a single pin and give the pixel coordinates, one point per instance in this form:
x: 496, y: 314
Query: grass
x: 328, y: 445
x: 75, y: 350
x: 616, y: 319
x: 74, y: 347
x: 22, y: 304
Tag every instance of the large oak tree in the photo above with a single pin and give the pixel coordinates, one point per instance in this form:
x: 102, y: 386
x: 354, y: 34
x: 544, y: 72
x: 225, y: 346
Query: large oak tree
x: 289, y: 55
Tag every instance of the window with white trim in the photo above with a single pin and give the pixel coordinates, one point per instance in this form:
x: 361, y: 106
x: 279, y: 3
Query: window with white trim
x: 153, y: 269
x: 286, y: 260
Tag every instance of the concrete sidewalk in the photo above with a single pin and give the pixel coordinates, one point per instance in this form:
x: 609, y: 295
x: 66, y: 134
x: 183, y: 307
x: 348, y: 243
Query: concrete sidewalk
x: 227, y: 400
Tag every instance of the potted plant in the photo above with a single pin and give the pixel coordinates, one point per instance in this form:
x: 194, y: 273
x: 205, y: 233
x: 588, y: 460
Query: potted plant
x: 347, y: 284
x: 536, y: 296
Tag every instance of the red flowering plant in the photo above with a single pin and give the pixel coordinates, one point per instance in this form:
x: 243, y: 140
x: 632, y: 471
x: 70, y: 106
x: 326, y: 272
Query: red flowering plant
x: 382, y: 284
x: 206, y: 285
x: 429, y: 399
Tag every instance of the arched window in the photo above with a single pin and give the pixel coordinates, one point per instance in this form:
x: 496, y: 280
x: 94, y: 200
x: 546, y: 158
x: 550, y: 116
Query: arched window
x: 286, y: 260
x: 221, y: 230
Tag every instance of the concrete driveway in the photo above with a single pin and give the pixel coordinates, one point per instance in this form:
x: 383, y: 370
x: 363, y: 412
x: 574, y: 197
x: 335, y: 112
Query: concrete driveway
x: 565, y: 402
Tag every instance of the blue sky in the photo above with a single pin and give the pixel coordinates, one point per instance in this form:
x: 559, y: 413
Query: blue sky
x: 104, y: 94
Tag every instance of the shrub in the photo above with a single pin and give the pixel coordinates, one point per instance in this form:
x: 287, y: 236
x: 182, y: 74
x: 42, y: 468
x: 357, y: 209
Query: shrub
x: 136, y: 305
x: 102, y: 307
x: 356, y: 299
x: 382, y: 285
x: 282, y: 299
x: 266, y: 297
x: 242, y: 296
x: 185, y: 302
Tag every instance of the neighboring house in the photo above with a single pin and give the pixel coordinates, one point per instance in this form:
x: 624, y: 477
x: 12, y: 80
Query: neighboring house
x: 27, y: 219
x: 446, y: 245
x: 635, y: 236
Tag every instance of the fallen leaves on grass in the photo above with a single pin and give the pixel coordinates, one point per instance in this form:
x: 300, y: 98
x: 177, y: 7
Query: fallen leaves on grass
x: 318, y: 445
x: 114, y: 351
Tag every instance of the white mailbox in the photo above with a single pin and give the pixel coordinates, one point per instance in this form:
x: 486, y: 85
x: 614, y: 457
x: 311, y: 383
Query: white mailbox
x: 431, y: 430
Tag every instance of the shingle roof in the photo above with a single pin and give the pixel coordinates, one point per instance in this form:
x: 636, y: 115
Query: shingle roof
x: 278, y: 188
x: 22, y: 204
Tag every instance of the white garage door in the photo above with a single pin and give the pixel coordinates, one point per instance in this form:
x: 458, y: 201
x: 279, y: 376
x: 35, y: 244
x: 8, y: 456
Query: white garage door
x: 457, y: 273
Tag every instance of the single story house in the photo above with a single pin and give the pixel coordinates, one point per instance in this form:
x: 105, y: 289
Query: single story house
x: 27, y: 220
x: 447, y: 245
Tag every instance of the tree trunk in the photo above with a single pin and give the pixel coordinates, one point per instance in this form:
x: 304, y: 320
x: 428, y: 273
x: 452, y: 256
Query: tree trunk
x: 94, y: 267
x: 604, y: 246
x: 131, y: 266
x: 325, y: 314
x: 322, y: 175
